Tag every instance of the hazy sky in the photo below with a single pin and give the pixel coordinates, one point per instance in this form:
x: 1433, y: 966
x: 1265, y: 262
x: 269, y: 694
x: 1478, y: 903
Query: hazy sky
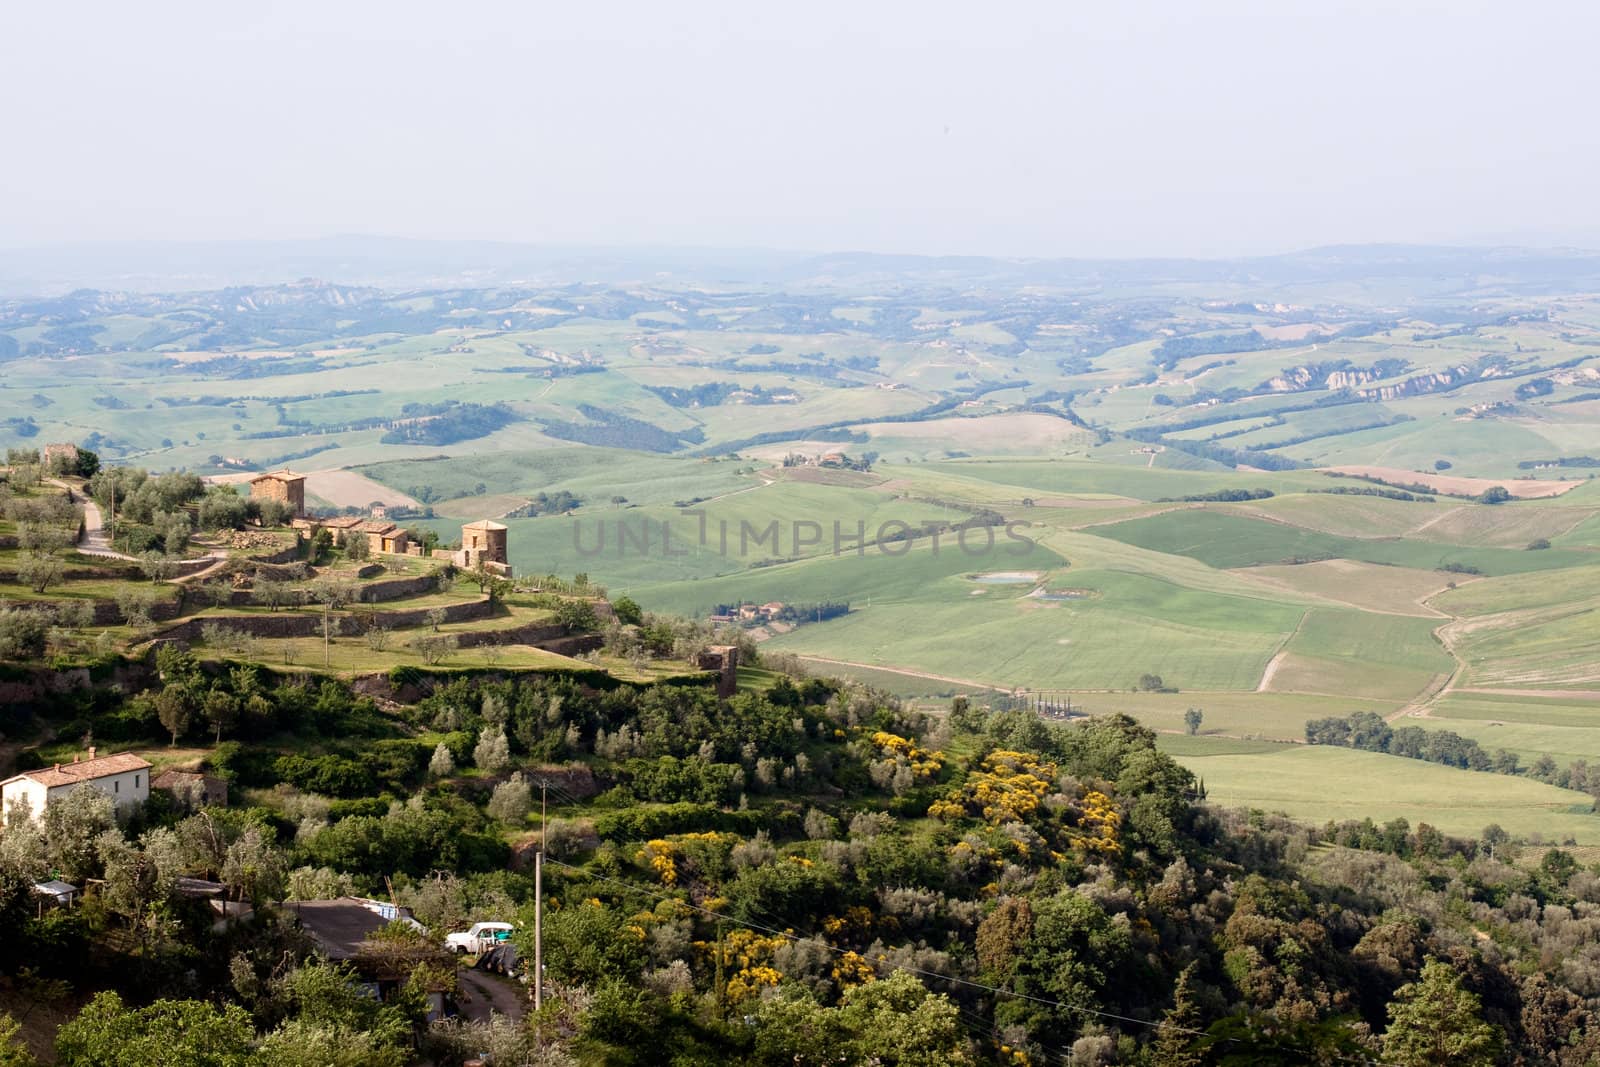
x: 1060, y: 128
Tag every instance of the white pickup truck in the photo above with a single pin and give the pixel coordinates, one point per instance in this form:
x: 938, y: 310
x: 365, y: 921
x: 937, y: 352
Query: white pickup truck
x: 478, y: 940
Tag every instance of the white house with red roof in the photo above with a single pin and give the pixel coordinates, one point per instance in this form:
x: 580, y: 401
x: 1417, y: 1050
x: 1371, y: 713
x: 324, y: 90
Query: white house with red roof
x: 124, y: 777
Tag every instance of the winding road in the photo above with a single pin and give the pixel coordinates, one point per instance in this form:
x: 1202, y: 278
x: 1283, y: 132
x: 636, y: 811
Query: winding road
x: 96, y: 542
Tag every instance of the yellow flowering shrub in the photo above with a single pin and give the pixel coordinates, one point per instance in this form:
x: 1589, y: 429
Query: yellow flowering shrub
x: 749, y: 982
x: 1098, y: 823
x: 852, y: 968
x: 1007, y: 787
x: 661, y: 857
x: 747, y: 956
x: 948, y: 810
x: 924, y: 764
x: 856, y: 919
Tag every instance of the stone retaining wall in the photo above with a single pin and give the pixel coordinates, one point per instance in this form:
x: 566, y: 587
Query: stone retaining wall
x: 398, y: 588
x: 287, y: 555
x: 533, y: 633
x: 572, y: 646
x: 294, y: 624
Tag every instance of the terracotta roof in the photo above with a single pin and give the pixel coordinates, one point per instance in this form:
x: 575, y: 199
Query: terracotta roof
x: 377, y: 527
x: 285, y: 475
x: 342, y: 522
x: 84, y: 771
x: 484, y: 524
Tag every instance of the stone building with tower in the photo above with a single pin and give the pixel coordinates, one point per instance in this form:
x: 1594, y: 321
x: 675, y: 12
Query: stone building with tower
x: 284, y: 486
x: 483, y: 544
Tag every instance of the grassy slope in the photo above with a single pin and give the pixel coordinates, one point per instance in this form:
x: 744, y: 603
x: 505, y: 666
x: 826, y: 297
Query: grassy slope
x: 635, y: 555
x: 1134, y: 625
x: 594, y: 475
x: 1363, y: 655
x: 1529, y: 630
x: 1222, y: 539
x: 1318, y: 783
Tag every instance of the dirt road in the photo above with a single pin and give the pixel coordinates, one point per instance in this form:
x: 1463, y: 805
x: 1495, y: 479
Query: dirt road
x: 482, y: 993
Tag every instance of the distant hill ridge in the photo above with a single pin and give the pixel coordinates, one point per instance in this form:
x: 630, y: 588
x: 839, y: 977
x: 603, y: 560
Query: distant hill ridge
x: 385, y: 262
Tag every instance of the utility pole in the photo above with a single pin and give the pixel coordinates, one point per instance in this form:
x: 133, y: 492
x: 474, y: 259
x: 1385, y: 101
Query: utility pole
x: 538, y: 905
x: 538, y: 929
x: 721, y: 1009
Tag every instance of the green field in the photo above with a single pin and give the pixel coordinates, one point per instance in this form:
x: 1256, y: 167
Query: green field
x: 754, y: 524
x: 1221, y: 539
x: 1125, y: 626
x: 1318, y: 784
x: 1528, y: 740
x: 1555, y: 711
x: 1363, y: 655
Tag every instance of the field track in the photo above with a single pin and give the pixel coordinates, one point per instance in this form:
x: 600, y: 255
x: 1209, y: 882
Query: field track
x: 1278, y: 656
x: 902, y: 670
x: 1444, y: 483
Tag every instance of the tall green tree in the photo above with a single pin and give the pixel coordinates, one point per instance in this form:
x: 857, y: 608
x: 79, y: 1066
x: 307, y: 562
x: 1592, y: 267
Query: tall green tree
x: 175, y: 709
x: 1434, y: 1021
x: 1176, y: 1040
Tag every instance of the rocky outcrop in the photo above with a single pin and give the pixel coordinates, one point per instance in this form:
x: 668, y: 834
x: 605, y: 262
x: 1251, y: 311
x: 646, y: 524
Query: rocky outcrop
x: 1350, y: 379
x: 21, y: 686
x: 1316, y: 376
x: 1422, y: 383
x: 1335, y: 375
x: 1580, y: 376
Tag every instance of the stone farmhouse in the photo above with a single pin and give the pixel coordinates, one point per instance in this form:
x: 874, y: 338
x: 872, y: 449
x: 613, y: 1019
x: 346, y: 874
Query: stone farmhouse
x: 66, y: 454
x: 285, y: 486
x: 124, y: 777
x: 385, y: 536
x: 483, y: 543
x: 340, y: 527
